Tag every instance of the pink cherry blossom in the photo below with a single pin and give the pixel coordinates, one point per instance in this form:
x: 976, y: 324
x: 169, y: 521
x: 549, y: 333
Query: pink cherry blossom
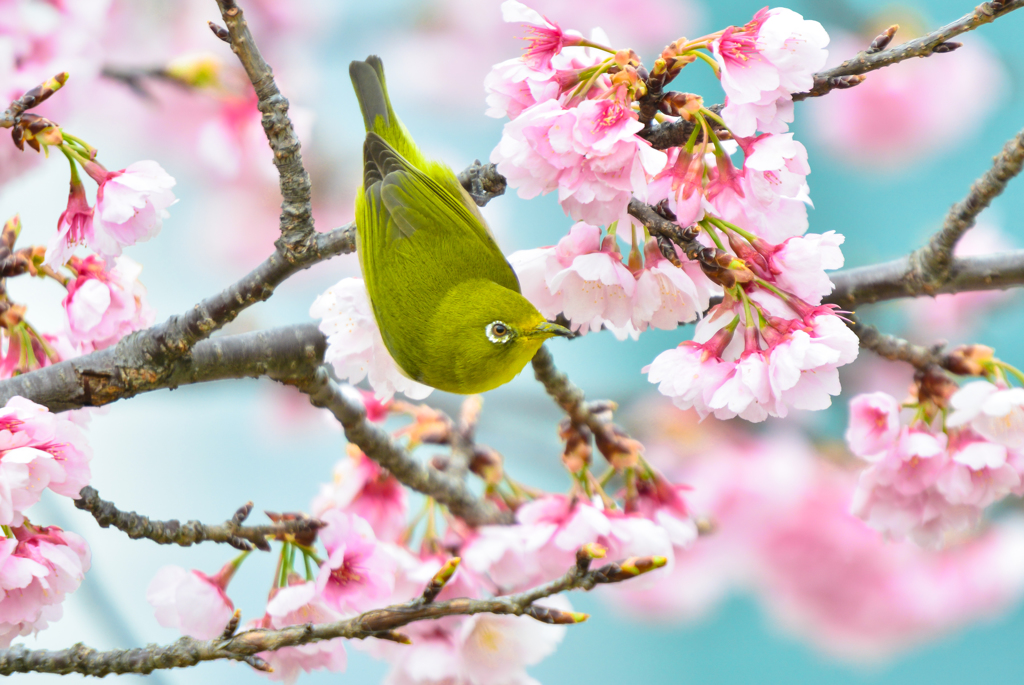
x: 104, y: 306
x: 874, y: 424
x: 546, y: 39
x: 784, y: 535
x: 38, y: 450
x: 667, y: 295
x: 75, y: 226
x: 589, y: 153
x: 583, y: 277
x: 995, y: 413
x: 509, y: 556
x: 978, y: 475
x: 788, y: 363
x: 298, y: 604
x: 763, y: 63
x: 691, y: 373
x: 191, y: 601
x: 38, y: 567
x: 131, y: 205
x: 681, y: 183
x: 799, y: 264
x: 354, y: 345
x: 363, y: 488
x: 512, y: 87
x: 358, y: 574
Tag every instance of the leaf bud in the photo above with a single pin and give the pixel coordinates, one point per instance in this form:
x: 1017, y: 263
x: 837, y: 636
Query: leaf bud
x: 440, y: 579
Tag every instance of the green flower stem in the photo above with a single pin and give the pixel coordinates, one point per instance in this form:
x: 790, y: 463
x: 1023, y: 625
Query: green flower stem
x: 708, y: 59
x: 710, y: 230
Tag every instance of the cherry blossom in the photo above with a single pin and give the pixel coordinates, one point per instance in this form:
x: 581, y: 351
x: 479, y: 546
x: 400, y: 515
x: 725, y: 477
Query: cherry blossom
x: 546, y: 39
x: 584, y: 278
x: 298, y: 604
x: 38, y: 450
x: 354, y: 344
x: 191, y: 601
x: 589, y: 153
x: 38, y: 567
x: 763, y: 63
x: 874, y: 423
x: 923, y: 483
x: 363, y: 488
x: 131, y: 205
x: 358, y: 573
x: 104, y: 306
x: 484, y: 649
x: 995, y: 413
x: 75, y: 226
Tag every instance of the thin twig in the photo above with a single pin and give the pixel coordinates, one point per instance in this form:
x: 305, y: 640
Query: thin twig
x: 862, y: 63
x: 897, y: 349
x: 174, y: 532
x: 32, y: 98
x: 297, y: 235
x: 676, y: 133
x: 377, y: 623
x: 933, y: 261
x: 347, y: 406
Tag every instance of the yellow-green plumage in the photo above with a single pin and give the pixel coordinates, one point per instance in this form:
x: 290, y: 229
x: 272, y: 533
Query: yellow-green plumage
x: 440, y: 287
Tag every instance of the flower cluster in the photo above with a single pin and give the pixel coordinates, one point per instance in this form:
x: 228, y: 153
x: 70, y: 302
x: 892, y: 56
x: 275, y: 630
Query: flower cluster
x: 930, y: 480
x: 783, y: 534
x: 38, y: 567
x: 583, y: 277
x: 38, y: 450
x: 131, y: 205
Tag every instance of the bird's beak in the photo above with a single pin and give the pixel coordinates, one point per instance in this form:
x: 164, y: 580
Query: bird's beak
x: 548, y: 329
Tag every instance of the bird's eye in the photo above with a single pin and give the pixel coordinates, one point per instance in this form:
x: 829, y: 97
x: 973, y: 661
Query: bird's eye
x: 498, y: 332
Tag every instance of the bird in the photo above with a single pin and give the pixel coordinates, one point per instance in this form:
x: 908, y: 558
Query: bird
x: 447, y: 302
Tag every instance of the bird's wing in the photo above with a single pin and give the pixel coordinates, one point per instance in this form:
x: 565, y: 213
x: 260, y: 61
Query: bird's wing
x: 412, y: 201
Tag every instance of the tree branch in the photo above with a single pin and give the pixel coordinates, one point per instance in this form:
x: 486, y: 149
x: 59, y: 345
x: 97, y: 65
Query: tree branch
x: 933, y: 260
x: 174, y: 532
x: 297, y: 235
x: 897, y: 279
x: 377, y: 623
x: 863, y: 62
x: 158, y: 357
x: 897, y: 349
x: 347, y: 406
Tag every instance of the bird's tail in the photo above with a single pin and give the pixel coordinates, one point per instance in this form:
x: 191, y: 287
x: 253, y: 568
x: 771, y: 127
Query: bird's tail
x: 378, y: 116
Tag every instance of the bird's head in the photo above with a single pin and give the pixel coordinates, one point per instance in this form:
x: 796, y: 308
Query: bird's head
x: 491, y: 333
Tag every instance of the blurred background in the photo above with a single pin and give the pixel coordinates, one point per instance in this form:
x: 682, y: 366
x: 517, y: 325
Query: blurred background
x: 889, y: 157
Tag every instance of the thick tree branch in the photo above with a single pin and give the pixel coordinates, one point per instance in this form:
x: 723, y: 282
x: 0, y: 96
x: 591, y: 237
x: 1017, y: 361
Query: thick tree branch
x: 174, y: 532
x: 347, y: 406
x: 862, y: 63
x: 897, y: 279
x: 297, y: 236
x: 158, y: 357
x: 377, y: 623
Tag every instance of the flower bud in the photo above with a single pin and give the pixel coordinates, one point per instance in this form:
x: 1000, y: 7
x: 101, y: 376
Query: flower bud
x: 969, y: 360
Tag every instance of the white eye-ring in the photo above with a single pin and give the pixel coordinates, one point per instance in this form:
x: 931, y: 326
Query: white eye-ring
x: 498, y: 332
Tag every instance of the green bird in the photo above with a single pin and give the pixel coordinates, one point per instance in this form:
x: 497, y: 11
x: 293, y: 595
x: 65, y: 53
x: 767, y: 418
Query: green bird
x: 447, y: 302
